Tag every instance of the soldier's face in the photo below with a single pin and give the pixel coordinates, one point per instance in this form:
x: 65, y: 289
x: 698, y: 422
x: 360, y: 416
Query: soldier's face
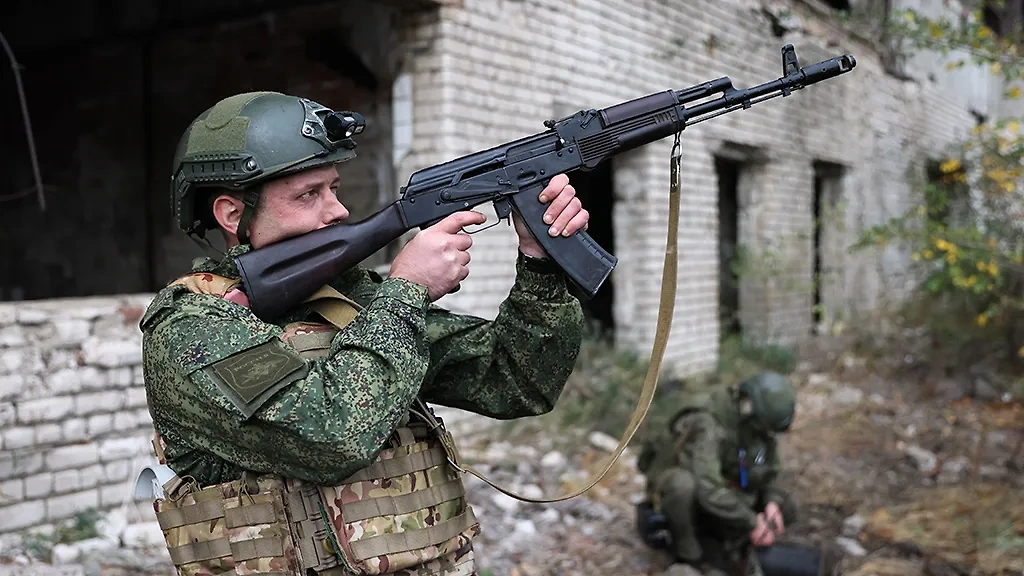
x: 297, y: 204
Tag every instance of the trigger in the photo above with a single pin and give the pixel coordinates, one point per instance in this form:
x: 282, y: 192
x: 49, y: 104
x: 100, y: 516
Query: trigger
x: 502, y: 208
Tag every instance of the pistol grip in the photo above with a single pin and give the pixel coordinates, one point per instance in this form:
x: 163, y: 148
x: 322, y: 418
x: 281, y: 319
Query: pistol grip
x: 582, y: 259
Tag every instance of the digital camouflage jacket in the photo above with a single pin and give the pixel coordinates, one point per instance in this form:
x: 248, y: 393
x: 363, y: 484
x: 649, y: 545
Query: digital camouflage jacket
x: 321, y: 420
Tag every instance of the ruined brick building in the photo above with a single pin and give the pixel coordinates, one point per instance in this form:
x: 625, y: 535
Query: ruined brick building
x: 111, y: 85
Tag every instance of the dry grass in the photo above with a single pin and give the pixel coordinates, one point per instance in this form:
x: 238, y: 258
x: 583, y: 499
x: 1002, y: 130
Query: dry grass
x: 981, y: 525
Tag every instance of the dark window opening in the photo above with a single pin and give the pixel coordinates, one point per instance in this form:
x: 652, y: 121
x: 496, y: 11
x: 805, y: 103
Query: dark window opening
x: 827, y: 182
x: 728, y: 172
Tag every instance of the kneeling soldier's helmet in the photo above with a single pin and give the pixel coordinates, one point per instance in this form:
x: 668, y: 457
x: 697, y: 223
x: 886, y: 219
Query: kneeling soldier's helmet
x: 245, y: 140
x: 772, y: 399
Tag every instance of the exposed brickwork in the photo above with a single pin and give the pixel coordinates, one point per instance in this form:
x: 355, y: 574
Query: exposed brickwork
x: 74, y: 427
x: 497, y: 69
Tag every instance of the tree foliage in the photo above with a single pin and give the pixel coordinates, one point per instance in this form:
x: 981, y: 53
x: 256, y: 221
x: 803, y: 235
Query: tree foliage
x: 963, y: 227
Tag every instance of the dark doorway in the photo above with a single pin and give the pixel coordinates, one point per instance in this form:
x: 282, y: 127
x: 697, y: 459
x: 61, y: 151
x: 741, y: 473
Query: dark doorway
x: 728, y: 171
x: 596, y: 190
x: 827, y: 193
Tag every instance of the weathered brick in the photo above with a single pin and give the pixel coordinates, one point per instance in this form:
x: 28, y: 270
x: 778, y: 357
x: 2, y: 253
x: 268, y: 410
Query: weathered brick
x: 91, y: 476
x: 47, y: 434
x: 8, y: 314
x: 117, y: 470
x: 7, y: 414
x: 93, y: 378
x: 32, y: 317
x: 20, y: 361
x: 12, y: 336
x: 65, y: 381
x: 112, y: 354
x: 73, y: 456
x: 65, y: 506
x: 18, y: 437
x: 100, y: 424
x: 74, y: 429
x: 19, y: 463
x: 96, y: 402
x: 70, y: 332
x: 120, y: 448
x: 135, y: 397
x: 45, y: 409
x: 125, y: 421
x: 22, y: 515
x: 39, y: 485
x: 114, y: 494
x: 144, y: 417
x: 57, y: 358
x: 120, y: 377
x: 12, y: 490
x: 65, y: 481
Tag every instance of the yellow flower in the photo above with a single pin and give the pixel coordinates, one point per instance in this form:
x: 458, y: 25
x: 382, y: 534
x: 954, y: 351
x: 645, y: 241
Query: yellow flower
x: 951, y: 165
x: 915, y: 256
x: 1014, y: 93
x: 982, y: 319
x: 928, y: 255
x: 995, y: 67
x: 992, y: 243
x: 951, y: 258
x: 984, y: 32
x: 992, y: 269
x: 971, y: 280
x: 1013, y: 126
x: 1009, y: 186
x: 981, y: 265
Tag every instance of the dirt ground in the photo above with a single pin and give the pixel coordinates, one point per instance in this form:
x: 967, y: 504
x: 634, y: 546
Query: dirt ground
x: 909, y: 485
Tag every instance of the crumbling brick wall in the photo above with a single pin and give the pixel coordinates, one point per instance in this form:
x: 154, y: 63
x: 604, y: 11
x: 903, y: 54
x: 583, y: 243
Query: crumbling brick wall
x: 74, y: 427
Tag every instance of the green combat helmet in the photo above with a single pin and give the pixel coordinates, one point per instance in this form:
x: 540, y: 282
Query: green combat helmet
x: 772, y: 399
x: 247, y: 139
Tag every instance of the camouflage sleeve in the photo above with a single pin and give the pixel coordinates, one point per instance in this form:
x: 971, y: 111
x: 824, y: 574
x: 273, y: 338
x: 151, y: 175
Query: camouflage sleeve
x: 515, y: 365
x: 223, y: 383
x: 715, y: 496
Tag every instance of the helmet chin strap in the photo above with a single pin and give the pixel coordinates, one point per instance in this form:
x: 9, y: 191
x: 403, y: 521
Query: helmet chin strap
x: 251, y: 197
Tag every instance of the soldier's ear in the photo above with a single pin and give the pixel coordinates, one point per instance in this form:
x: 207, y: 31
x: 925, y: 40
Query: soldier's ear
x: 746, y: 407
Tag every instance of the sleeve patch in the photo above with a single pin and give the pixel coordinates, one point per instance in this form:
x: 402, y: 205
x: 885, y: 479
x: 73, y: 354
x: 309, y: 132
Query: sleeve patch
x: 250, y: 377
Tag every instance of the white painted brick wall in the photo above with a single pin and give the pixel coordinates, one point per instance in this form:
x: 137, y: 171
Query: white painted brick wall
x: 497, y: 68
x: 74, y: 427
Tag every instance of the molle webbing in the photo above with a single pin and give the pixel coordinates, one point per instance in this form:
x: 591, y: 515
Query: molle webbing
x: 414, y: 540
x: 238, y: 551
x: 226, y: 525
x: 403, y: 504
x: 400, y: 465
x: 212, y: 510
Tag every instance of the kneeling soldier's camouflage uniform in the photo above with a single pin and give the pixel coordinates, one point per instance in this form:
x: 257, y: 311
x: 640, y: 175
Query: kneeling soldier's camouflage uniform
x: 714, y: 469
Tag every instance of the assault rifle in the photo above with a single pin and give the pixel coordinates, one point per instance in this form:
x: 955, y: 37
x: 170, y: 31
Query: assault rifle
x: 279, y: 276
